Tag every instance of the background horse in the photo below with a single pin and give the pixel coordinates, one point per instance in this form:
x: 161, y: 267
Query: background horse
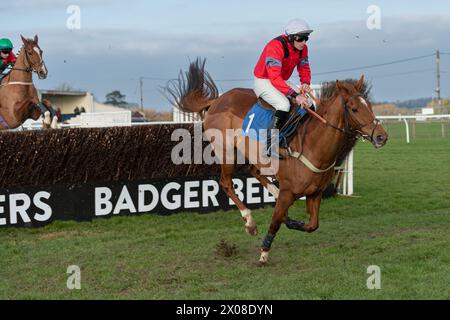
x: 349, y: 115
x: 18, y: 97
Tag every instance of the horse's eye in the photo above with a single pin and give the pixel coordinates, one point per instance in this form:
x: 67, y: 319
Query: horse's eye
x: 354, y: 110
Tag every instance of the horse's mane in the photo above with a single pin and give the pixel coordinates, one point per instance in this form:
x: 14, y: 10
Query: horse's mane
x: 329, y: 89
x: 327, y: 93
x: 19, y: 52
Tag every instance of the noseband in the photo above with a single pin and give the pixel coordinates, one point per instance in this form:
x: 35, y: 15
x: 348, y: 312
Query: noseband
x: 347, y: 130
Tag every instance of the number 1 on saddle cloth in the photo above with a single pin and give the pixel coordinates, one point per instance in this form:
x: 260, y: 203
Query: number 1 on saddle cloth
x: 258, y: 119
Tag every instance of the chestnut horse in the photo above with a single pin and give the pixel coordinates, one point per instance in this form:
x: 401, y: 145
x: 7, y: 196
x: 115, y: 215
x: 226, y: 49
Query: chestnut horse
x: 18, y: 97
x: 308, y: 168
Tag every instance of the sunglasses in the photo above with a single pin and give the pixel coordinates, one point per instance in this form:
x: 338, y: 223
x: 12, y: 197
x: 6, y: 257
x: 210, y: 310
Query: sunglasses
x: 301, y: 38
x: 6, y: 51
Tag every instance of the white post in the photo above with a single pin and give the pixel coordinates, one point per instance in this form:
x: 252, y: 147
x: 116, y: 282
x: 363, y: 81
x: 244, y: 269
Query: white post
x: 92, y: 103
x: 407, y: 130
x: 345, y: 177
x: 175, y: 114
x: 350, y: 173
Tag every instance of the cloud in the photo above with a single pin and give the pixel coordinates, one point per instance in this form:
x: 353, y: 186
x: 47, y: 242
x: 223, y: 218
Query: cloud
x: 395, y: 32
x: 46, y: 4
x: 94, y: 42
x: 101, y: 60
x: 404, y: 33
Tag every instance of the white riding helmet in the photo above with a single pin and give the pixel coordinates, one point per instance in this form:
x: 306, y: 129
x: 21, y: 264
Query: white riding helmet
x: 297, y: 26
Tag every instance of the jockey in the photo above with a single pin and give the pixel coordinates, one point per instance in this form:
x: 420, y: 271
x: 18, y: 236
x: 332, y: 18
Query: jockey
x: 275, y: 66
x: 7, y: 57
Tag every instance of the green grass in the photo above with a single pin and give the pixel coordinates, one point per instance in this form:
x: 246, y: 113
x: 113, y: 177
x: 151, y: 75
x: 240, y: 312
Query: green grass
x: 399, y: 220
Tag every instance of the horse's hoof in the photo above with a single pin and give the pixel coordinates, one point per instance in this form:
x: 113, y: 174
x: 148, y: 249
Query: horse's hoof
x: 261, y: 264
x: 253, y: 231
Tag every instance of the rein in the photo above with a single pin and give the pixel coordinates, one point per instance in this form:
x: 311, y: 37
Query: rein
x: 346, y: 129
x: 27, y: 70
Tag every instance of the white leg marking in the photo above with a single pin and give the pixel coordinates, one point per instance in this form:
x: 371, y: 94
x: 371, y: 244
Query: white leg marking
x: 273, y: 190
x: 47, y: 119
x: 245, y: 213
x: 250, y: 224
x: 264, y: 257
x: 54, y: 124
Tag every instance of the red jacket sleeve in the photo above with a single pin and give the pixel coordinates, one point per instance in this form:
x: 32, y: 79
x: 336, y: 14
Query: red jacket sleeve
x: 274, y: 60
x: 304, y: 71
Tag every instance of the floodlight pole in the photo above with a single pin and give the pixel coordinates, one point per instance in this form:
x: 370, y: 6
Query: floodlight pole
x: 438, y: 77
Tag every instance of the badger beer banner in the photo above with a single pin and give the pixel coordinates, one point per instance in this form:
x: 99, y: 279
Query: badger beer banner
x: 39, y: 206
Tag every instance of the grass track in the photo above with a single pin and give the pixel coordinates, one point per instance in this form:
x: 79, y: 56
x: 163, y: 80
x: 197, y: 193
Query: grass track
x: 399, y: 220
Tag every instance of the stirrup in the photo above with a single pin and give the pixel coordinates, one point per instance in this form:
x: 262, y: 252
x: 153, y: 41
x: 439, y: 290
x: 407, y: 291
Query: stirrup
x: 273, y: 154
x: 283, y: 144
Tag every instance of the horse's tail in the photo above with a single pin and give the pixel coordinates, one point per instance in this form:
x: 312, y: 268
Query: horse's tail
x: 193, y: 91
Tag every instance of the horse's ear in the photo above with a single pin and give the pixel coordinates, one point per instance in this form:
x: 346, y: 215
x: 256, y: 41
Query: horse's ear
x: 25, y: 41
x: 341, y: 88
x: 36, y: 38
x: 359, y: 85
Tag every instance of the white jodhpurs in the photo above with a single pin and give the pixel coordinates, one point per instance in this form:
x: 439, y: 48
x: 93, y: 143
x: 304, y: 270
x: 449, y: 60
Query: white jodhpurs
x: 265, y: 90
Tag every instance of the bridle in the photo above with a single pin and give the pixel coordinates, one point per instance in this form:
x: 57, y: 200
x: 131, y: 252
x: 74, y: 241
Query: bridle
x: 31, y: 67
x: 347, y: 130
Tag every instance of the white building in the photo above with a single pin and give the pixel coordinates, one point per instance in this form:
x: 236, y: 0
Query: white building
x: 67, y: 101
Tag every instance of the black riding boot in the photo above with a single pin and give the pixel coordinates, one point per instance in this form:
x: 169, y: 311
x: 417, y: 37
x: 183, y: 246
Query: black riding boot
x: 277, y: 122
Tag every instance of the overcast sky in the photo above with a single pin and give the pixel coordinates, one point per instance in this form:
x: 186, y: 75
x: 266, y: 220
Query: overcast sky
x: 120, y: 41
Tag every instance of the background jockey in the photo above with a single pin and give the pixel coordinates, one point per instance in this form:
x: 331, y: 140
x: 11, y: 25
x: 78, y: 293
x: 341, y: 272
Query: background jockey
x: 275, y: 66
x: 7, y: 57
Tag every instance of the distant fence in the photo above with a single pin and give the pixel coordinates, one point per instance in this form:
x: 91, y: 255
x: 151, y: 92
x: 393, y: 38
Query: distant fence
x: 86, y: 120
x: 414, y: 122
x: 105, y: 119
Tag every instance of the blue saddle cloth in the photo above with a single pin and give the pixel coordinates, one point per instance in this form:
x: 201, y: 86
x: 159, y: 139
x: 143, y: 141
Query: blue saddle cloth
x: 257, y: 122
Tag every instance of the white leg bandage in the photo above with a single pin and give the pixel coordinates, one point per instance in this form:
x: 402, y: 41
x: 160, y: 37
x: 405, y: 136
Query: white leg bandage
x: 273, y: 190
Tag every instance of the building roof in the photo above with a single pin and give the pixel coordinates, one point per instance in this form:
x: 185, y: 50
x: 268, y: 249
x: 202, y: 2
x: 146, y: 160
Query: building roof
x: 63, y: 93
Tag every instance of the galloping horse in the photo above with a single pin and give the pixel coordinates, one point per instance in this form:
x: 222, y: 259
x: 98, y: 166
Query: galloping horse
x: 18, y: 97
x: 318, y: 146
